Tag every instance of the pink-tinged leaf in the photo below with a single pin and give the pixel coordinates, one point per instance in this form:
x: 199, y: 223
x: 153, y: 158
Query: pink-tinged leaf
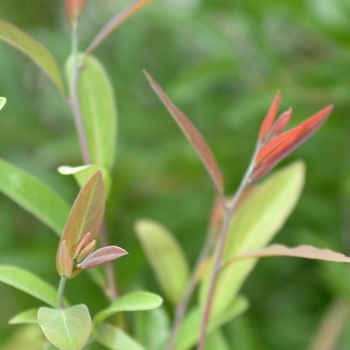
x: 101, y: 256
x: 195, y: 138
x: 303, y: 251
x: 270, y: 117
x: 280, y: 124
x: 86, y: 214
x: 74, y: 9
x: 86, y: 251
x: 114, y: 23
x: 81, y: 245
x: 65, y: 261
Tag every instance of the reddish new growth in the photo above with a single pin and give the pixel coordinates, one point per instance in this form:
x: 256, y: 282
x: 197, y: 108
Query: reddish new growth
x: 274, y: 144
x: 73, y: 10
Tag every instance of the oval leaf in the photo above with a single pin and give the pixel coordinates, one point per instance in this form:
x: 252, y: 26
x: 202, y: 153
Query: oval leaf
x: 28, y: 283
x: 68, y: 329
x: 138, y: 301
x: 166, y: 258
x: 30, y: 47
x: 83, y: 173
x: 33, y: 196
x: 98, y: 109
x: 253, y: 226
x: 28, y: 316
x: 114, y: 338
x: 2, y: 102
x: 195, y: 138
x: 189, y: 331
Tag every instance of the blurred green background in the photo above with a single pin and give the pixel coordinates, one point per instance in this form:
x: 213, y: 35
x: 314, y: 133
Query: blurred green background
x: 221, y: 62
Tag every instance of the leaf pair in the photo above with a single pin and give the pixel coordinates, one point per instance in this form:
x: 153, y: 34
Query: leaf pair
x: 78, y: 240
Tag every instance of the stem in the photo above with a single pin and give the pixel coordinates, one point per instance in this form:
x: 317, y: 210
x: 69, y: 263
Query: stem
x: 229, y: 211
x: 60, y: 292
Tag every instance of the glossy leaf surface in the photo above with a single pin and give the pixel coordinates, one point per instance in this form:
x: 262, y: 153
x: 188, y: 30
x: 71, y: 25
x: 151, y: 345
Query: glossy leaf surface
x: 254, y: 225
x: 98, y: 109
x: 114, y: 338
x: 33, y: 196
x: 34, y: 50
x: 138, y: 301
x: 28, y: 283
x: 166, y: 258
x: 68, y: 329
x: 2, y: 102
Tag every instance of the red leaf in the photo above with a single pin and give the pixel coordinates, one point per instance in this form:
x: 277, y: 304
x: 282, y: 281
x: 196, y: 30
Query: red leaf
x: 195, y: 138
x: 270, y: 117
x: 101, y: 256
x: 73, y: 9
x: 280, y: 124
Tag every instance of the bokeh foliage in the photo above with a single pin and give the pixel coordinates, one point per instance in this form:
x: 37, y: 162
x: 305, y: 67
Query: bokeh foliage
x: 221, y: 61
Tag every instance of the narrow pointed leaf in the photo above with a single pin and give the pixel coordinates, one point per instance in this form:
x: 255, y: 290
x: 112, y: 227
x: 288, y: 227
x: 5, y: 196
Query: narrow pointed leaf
x: 101, y: 256
x: 114, y: 23
x: 28, y: 283
x: 280, y: 124
x: 256, y: 222
x: 138, y: 301
x: 86, y: 214
x: 33, y: 196
x: 189, y: 331
x: 28, y: 316
x: 303, y: 251
x: 68, y: 329
x: 270, y: 117
x: 74, y: 9
x: 35, y: 51
x: 195, y: 138
x: 166, y: 257
x: 2, y: 102
x: 114, y: 338
x: 82, y: 173
x: 98, y: 109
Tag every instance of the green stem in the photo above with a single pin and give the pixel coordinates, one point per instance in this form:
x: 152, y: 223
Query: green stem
x: 60, y: 292
x: 229, y: 211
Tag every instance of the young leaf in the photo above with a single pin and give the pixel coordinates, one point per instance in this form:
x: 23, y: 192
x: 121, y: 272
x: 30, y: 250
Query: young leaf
x: 84, y: 172
x: 303, y: 251
x: 30, y: 47
x: 195, y: 138
x: 189, y: 331
x: 114, y: 338
x: 85, y: 217
x: 68, y: 329
x: 166, y: 258
x: 73, y: 10
x: 138, y: 301
x: 114, y: 23
x: 28, y: 283
x: 33, y: 196
x: 2, y: 102
x: 254, y: 225
x: 270, y: 117
x: 98, y: 109
x: 28, y: 316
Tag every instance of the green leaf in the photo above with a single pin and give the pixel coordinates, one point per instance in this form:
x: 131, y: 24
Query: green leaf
x: 28, y: 316
x: 138, y: 301
x: 166, y: 257
x: 216, y: 341
x: 85, y: 217
x: 84, y: 172
x: 189, y: 331
x: 28, y: 283
x: 253, y: 226
x: 35, y: 197
x: 34, y: 50
x: 2, y: 102
x: 68, y: 329
x: 98, y: 109
x: 114, y: 338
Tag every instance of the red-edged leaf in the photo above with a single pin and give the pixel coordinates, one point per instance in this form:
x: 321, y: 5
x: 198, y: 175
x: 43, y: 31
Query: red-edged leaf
x: 101, y: 256
x: 270, y: 117
x: 195, y: 138
x: 280, y: 124
x: 74, y: 9
x: 64, y: 261
x: 302, y: 251
x: 115, y: 22
x: 86, y: 214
